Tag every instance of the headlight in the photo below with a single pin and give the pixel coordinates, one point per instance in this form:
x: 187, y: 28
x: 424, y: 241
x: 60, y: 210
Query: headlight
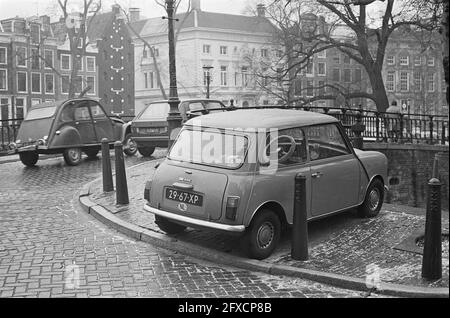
x: 12, y: 146
x: 18, y: 141
x: 41, y: 142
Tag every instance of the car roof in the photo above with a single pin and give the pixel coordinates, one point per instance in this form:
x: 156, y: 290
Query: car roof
x: 187, y: 100
x: 261, y: 118
x: 60, y: 102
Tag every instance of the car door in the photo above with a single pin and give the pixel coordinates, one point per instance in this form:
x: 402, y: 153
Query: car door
x: 84, y: 124
x: 102, y: 123
x: 334, y: 170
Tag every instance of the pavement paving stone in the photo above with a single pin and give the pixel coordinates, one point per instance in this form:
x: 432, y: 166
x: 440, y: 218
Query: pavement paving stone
x: 343, y: 244
x: 45, y: 239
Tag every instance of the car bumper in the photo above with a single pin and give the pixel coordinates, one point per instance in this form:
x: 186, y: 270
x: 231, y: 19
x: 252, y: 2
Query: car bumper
x: 195, y: 222
x: 31, y: 148
x: 156, y: 141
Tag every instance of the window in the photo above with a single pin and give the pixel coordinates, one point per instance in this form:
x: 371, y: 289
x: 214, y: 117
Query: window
x: 310, y: 67
x: 144, y: 54
x: 90, y: 81
x: 347, y: 75
x: 322, y: 54
x: 82, y: 113
x: 390, y: 81
x: 206, y: 75
x: 404, y: 81
x: 337, y: 59
x: 48, y: 59
x: 321, y: 69
x: 309, y: 88
x: 4, y: 111
x: 21, y: 56
x: 65, y: 83
x: 78, y: 84
x: 223, y: 50
x: 20, y: 107
x: 430, y: 61
x: 3, y: 55
x: 264, y: 53
x: 35, y: 59
x: 417, y: 60
x: 155, y: 51
x: 430, y: 81
x: 22, y: 82
x: 66, y: 62
x: 223, y: 76
x: 417, y: 81
x: 321, y: 88
x: 90, y: 63
x: 336, y: 74
x: 346, y: 59
x: 3, y: 80
x: 298, y: 87
x: 145, y: 80
x: 49, y: 83
x: 97, y: 111
x: 206, y: 49
x: 300, y: 155
x: 79, y: 63
x: 35, y: 32
x: 325, y: 141
x: 36, y: 83
x: 358, y: 76
x: 404, y: 60
x: 390, y: 59
x: 35, y: 101
x: 244, y: 71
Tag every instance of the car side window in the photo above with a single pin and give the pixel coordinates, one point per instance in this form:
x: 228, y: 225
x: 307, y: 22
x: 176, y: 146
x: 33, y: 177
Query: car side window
x: 195, y: 106
x: 325, y: 141
x: 290, y: 145
x: 215, y: 106
x: 82, y: 113
x: 97, y: 111
x: 67, y: 114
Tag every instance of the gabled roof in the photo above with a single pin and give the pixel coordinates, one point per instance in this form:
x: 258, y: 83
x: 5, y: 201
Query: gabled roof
x: 210, y: 20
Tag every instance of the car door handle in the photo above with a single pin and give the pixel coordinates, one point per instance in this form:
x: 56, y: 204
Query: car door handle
x: 316, y: 174
x: 183, y: 186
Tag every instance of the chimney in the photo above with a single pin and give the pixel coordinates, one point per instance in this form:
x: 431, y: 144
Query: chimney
x: 115, y: 8
x: 134, y: 14
x: 196, y: 5
x: 261, y: 9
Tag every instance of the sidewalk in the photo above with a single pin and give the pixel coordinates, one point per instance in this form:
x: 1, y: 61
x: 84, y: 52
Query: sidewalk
x: 343, y: 250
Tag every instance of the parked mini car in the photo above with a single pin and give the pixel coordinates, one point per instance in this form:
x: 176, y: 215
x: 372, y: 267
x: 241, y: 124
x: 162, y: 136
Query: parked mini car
x: 235, y: 172
x: 69, y: 127
x: 149, y: 127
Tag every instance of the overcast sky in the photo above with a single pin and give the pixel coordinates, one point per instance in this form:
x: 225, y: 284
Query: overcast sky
x: 25, y: 8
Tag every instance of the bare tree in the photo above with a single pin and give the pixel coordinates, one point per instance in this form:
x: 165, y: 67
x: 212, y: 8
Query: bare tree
x: 77, y: 28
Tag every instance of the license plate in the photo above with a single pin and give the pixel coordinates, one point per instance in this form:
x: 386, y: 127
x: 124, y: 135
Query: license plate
x: 183, y: 196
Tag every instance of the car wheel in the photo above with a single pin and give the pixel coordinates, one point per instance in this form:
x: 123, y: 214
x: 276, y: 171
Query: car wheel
x: 168, y: 226
x: 146, y: 152
x: 29, y: 159
x: 262, y: 237
x: 373, y: 200
x: 129, y: 146
x: 72, y: 156
x: 92, y: 153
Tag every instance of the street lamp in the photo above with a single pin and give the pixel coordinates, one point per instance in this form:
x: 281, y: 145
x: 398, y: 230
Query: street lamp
x: 174, y: 117
x: 207, y: 70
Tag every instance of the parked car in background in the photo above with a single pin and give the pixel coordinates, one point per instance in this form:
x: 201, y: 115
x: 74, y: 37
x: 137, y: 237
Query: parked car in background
x: 149, y: 127
x: 69, y: 127
x: 242, y: 180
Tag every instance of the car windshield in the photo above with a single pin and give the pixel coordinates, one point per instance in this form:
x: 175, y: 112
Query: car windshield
x: 210, y: 148
x: 41, y: 112
x: 157, y: 111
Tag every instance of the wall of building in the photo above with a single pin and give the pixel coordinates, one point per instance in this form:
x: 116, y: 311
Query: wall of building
x: 409, y: 170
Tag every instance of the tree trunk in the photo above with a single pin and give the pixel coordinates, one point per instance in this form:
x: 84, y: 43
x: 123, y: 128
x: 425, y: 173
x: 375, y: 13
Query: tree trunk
x: 378, y: 89
x: 445, y: 46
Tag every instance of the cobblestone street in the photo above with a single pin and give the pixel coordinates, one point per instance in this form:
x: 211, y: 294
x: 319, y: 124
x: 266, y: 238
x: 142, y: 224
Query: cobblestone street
x: 43, y: 231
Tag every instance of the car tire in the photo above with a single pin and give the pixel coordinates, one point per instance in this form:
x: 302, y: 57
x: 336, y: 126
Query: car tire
x: 92, y: 152
x: 129, y: 146
x: 72, y: 156
x: 146, y: 152
x: 262, y: 237
x: 29, y: 158
x: 168, y: 226
x: 373, y: 200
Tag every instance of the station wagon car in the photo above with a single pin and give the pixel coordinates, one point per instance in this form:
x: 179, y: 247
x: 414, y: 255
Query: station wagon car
x: 235, y: 172
x: 150, y: 126
x: 69, y: 127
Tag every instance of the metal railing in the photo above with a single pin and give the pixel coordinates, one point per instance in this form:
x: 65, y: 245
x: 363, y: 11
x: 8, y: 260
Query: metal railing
x: 8, y: 132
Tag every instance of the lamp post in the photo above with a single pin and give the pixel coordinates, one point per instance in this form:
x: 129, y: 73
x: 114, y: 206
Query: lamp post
x: 207, y: 69
x: 174, y: 117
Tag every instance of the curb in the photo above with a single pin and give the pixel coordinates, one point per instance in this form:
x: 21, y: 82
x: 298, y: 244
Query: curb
x: 171, y: 243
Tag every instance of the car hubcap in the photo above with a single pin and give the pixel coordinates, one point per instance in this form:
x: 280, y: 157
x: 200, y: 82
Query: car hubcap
x: 374, y: 199
x: 265, y: 235
x: 74, y: 154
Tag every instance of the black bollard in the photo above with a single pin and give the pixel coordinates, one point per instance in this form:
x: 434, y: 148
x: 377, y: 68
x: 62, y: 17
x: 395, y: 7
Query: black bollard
x: 299, y: 250
x: 432, y: 250
x: 121, y: 177
x: 106, y: 167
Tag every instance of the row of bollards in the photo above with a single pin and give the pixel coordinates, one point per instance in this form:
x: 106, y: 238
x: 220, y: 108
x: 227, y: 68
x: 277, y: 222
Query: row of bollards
x: 121, y: 177
x: 432, y: 250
